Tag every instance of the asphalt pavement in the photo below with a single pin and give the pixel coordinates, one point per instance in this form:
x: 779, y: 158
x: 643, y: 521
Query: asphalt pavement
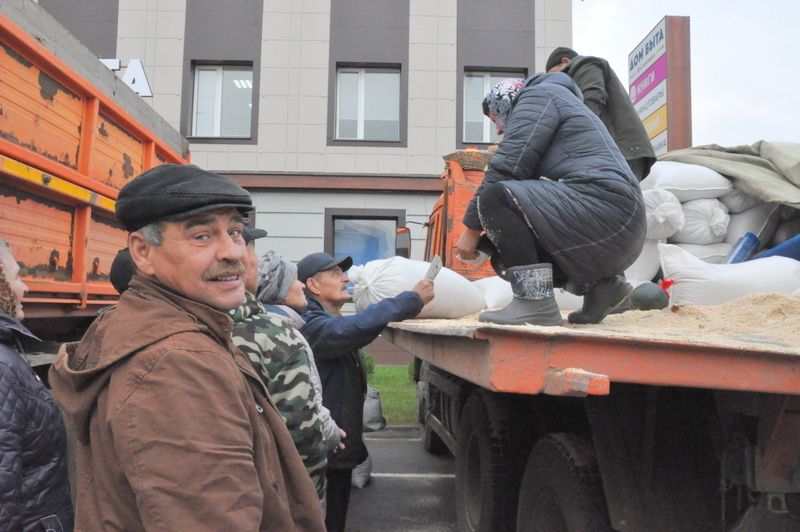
x: 410, y: 490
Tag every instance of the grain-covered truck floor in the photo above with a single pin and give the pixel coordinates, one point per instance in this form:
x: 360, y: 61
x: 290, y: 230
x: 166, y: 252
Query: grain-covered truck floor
x: 751, y: 344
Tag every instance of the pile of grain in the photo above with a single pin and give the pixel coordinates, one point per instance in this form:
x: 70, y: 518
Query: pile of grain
x: 760, y: 321
x: 757, y: 318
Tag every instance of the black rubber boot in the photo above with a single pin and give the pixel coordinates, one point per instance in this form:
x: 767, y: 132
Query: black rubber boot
x: 533, y: 301
x: 604, y: 296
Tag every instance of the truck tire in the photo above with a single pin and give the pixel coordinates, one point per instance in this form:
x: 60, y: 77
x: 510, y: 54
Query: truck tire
x: 561, y: 489
x: 488, y: 467
x: 431, y: 441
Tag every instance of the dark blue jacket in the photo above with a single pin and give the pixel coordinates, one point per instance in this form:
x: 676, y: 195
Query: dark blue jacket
x: 337, y: 342
x: 588, y: 213
x: 34, y: 488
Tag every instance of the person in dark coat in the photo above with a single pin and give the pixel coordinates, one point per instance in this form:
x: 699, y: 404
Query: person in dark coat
x: 34, y: 485
x: 337, y: 341
x: 605, y: 95
x: 558, y: 201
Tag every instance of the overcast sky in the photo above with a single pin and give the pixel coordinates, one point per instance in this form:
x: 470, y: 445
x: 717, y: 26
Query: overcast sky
x: 745, y: 59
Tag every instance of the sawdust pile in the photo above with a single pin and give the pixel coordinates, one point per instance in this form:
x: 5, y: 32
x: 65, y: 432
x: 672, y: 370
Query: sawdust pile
x: 758, y: 317
x: 760, y: 321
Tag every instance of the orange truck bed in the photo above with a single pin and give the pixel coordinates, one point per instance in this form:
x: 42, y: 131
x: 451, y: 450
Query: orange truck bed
x: 71, y: 135
x: 583, y: 361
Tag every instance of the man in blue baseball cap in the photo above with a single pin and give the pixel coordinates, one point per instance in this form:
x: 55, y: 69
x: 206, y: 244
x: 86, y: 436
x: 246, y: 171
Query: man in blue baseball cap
x: 337, y: 341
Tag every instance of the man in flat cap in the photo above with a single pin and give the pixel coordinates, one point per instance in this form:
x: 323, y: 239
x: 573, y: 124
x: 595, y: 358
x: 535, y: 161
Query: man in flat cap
x: 605, y: 95
x: 175, y: 429
x: 337, y: 341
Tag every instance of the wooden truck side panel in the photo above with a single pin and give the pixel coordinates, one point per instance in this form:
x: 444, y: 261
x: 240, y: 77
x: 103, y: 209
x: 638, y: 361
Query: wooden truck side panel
x: 67, y: 145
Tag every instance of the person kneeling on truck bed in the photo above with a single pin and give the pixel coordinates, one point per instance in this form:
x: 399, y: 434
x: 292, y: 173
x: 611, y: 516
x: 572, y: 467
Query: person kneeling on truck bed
x: 337, y: 341
x: 175, y: 429
x: 558, y: 201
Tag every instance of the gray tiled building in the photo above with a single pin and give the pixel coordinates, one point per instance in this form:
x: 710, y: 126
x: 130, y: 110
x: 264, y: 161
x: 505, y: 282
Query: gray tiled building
x: 333, y: 113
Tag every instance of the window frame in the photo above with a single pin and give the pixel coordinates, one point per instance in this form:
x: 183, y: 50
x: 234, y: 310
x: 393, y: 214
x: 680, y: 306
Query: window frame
x: 360, y: 117
x: 487, y: 85
x: 219, y: 68
x: 332, y: 214
x: 333, y: 107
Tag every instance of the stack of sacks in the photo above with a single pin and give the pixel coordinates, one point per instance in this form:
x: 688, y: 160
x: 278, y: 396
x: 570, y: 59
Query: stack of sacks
x: 664, y: 218
x: 455, y: 296
x: 749, y: 214
x: 706, y: 217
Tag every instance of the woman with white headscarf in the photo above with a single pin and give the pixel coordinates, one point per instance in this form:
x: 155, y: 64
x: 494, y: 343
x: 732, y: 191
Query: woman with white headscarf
x: 558, y: 201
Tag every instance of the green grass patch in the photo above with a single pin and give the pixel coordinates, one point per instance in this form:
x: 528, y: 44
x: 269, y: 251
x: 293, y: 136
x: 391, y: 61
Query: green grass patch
x: 398, y: 393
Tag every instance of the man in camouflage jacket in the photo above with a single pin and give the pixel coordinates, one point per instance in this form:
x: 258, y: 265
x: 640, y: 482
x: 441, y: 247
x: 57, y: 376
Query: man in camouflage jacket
x: 278, y: 354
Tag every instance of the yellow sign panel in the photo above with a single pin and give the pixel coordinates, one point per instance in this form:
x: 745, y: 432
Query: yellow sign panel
x: 656, y: 123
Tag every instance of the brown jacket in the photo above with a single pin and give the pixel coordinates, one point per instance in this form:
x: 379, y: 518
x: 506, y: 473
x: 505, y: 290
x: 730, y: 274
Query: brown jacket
x: 175, y: 431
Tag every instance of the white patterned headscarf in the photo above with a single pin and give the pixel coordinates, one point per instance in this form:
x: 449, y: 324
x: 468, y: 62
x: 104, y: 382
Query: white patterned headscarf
x: 276, y: 276
x: 500, y: 100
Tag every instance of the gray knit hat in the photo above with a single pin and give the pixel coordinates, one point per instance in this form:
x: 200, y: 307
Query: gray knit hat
x: 275, y: 278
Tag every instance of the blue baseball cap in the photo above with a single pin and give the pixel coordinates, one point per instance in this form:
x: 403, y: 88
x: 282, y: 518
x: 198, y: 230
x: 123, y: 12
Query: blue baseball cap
x: 310, y: 265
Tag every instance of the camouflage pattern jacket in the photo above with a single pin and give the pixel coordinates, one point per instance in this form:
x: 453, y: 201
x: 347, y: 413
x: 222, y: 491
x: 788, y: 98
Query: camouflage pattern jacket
x: 279, y: 355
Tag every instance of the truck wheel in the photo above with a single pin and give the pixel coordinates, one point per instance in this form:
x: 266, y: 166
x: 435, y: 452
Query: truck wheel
x: 488, y: 467
x: 431, y: 441
x: 561, y: 489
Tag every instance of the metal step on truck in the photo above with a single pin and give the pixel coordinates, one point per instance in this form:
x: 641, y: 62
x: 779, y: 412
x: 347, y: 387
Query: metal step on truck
x: 71, y: 135
x: 592, y: 428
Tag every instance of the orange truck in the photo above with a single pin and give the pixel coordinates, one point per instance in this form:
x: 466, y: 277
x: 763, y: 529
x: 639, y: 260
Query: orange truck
x: 71, y: 135
x: 577, y: 429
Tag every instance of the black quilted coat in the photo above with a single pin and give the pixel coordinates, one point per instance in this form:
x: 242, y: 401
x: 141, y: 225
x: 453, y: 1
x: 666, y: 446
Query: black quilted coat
x: 34, y: 489
x: 588, y: 213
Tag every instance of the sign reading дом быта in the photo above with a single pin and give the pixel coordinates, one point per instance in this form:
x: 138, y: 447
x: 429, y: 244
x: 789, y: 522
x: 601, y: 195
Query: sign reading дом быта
x: 658, y: 70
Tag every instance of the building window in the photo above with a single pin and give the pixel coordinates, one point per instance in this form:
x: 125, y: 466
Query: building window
x: 477, y: 127
x: 368, y: 104
x: 223, y: 101
x: 363, y: 234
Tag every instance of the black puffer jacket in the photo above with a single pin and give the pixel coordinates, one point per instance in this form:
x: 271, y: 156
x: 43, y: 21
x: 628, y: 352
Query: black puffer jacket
x: 588, y: 214
x: 34, y: 489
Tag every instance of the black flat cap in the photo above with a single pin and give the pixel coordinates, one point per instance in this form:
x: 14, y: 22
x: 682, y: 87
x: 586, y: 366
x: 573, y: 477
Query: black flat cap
x: 251, y: 233
x: 311, y: 265
x: 557, y: 55
x: 171, y: 190
x: 122, y: 269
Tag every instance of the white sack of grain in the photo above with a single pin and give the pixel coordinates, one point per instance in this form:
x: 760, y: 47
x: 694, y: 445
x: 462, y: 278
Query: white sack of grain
x: 496, y: 291
x: 760, y: 220
x: 737, y: 201
x: 713, y: 253
x: 706, y: 222
x: 647, y: 264
x: 664, y: 213
x: 687, y: 181
x: 455, y: 296
x: 701, y: 283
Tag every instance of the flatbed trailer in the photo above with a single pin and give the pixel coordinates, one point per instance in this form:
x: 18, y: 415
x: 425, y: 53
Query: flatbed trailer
x: 661, y: 433
x: 602, y: 427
